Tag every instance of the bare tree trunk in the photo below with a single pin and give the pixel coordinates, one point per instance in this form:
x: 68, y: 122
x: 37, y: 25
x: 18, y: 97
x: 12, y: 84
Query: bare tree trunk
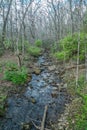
x: 72, y: 27
x: 77, y: 69
x: 78, y: 50
x: 86, y: 61
x: 19, y: 27
x: 5, y: 23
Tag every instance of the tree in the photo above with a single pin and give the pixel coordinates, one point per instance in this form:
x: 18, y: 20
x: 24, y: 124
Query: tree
x: 79, y: 24
x: 5, y: 23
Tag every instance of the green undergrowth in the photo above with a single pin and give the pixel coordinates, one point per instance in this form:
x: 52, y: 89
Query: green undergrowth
x: 68, y: 47
x: 78, y: 108
x: 38, y: 43
x: 15, y: 74
x: 34, y: 51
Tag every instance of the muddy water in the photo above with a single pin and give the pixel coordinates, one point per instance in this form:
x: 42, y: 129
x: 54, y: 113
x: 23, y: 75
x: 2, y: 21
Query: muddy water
x: 28, y: 107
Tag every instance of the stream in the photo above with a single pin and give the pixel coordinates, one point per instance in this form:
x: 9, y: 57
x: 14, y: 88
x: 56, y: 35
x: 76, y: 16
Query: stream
x: 29, y: 107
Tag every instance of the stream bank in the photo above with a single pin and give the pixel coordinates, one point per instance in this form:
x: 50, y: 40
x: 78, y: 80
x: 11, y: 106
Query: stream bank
x: 43, y: 89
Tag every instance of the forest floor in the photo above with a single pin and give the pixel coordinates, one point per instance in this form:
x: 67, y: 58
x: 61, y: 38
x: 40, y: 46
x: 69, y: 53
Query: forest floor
x: 66, y: 73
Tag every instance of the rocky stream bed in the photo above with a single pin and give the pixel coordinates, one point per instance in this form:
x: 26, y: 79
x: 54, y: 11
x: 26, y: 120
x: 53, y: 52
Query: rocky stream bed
x: 26, y: 110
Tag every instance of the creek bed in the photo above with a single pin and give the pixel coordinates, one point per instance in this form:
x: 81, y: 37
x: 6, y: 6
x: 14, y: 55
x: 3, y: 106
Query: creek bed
x: 42, y: 90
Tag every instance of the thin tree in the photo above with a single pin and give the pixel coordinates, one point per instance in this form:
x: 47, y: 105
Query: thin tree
x: 5, y: 23
x: 78, y: 49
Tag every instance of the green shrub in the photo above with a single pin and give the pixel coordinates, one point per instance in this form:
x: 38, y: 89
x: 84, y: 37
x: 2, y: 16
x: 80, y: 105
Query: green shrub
x: 34, y: 51
x: 38, y: 43
x: 69, y: 46
x: 15, y: 74
x: 61, y: 55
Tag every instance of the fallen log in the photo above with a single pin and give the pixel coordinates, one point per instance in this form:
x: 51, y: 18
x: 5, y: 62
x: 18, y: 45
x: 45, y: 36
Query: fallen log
x: 74, y: 66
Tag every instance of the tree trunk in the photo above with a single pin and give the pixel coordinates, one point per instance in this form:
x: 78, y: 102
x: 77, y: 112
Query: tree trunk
x: 5, y: 23
x: 85, y: 61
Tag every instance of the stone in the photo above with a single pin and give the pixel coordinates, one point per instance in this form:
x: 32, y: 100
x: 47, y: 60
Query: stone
x: 55, y: 88
x: 26, y: 126
x: 58, y: 84
x: 33, y: 100
x: 29, y: 77
x: 45, y: 64
x: 57, y: 72
x: 60, y: 128
x: 51, y: 68
x: 31, y: 87
x: 62, y: 84
x: 54, y: 94
x: 37, y: 71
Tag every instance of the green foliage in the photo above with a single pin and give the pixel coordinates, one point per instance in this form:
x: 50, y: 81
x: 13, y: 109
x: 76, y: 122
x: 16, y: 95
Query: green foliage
x: 34, y: 51
x: 61, y: 55
x: 81, y: 118
x: 79, y: 108
x: 38, y: 43
x: 15, y: 74
x: 69, y: 46
x: 81, y: 81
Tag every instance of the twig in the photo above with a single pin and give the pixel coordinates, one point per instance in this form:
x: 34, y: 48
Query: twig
x: 37, y: 127
x: 44, y: 117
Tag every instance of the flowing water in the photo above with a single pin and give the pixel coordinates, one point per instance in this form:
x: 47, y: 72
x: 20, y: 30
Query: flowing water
x: 42, y: 90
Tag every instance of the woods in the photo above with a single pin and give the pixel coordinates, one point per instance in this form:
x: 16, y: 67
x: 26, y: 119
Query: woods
x: 43, y: 51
